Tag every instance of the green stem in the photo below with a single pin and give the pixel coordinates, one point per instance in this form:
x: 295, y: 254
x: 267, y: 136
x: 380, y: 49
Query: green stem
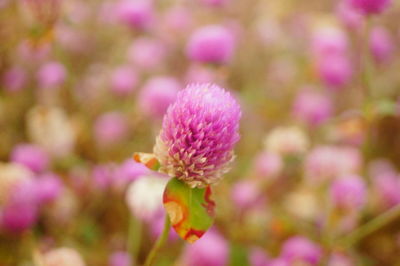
x: 160, y: 241
x: 134, y: 237
x: 366, y: 60
x: 372, y: 226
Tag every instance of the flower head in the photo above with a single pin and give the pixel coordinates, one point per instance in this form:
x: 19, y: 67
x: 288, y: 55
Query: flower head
x: 199, y: 132
x: 369, y: 7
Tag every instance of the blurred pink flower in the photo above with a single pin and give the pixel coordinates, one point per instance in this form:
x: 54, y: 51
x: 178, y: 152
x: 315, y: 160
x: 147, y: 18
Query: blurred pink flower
x: 215, y: 3
x: 48, y: 187
x: 258, y: 257
x: 348, y: 192
x: 136, y: 14
x: 51, y: 75
x: 267, y: 164
x: 120, y: 258
x: 381, y: 44
x: 211, y: 44
x: 299, y: 249
x: 312, y: 107
x: 123, y: 80
x: 245, y: 194
x: 31, y: 156
x: 211, y: 249
x: 14, y: 79
x: 147, y: 53
x: 110, y: 128
x: 370, y: 7
x: 349, y: 16
x: 157, y: 94
x: 335, y: 71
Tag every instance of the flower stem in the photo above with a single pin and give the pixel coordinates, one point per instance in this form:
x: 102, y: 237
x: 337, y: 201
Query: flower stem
x: 160, y: 241
x: 134, y: 237
x: 372, y: 226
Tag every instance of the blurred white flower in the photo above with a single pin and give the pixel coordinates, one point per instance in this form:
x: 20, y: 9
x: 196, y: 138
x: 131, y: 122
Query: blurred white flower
x: 50, y: 128
x: 63, y: 257
x: 144, y: 196
x: 286, y: 141
x: 11, y: 175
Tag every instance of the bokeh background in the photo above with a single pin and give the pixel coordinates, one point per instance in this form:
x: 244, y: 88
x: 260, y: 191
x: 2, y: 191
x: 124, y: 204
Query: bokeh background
x: 85, y: 84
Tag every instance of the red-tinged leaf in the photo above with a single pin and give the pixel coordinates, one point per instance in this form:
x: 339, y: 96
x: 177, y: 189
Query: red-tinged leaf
x: 148, y: 159
x: 191, y: 210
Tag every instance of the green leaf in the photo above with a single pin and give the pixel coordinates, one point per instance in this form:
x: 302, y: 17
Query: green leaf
x: 191, y: 210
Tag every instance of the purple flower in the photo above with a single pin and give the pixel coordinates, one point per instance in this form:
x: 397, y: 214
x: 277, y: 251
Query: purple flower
x: 123, y: 80
x: 120, y: 258
x: 370, y: 7
x: 48, y: 188
x: 198, y: 134
x: 156, y: 95
x: 135, y: 14
x: 268, y: 164
x: 335, y: 71
x: 21, y: 210
x: 245, y: 194
x: 51, y: 75
x: 349, y: 16
x: 312, y: 107
x: 147, y: 53
x: 381, y: 44
x: 302, y: 250
x: 348, y: 192
x: 258, y: 257
x: 211, y: 249
x: 31, y: 156
x: 211, y: 44
x: 14, y: 79
x: 110, y: 128
x: 130, y: 170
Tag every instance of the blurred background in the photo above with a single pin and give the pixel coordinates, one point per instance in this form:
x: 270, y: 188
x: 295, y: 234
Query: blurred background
x: 85, y: 84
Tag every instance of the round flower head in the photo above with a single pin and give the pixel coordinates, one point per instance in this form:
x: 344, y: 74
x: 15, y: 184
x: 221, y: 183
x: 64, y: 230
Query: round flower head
x: 370, y: 7
x: 268, y: 164
x: 381, y: 44
x: 120, y: 258
x: 286, y: 141
x: 123, y: 80
x: 348, y: 192
x: 299, y: 249
x: 198, y: 134
x: 212, y: 249
x: 51, y: 75
x: 63, y: 257
x: 312, y: 108
x: 11, y: 176
x: 31, y: 156
x: 110, y: 128
x: 135, y: 14
x: 157, y: 94
x: 211, y: 44
x: 335, y: 70
x: 14, y: 79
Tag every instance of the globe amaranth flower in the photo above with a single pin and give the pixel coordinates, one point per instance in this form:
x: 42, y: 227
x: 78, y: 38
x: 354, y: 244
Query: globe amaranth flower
x: 370, y: 7
x: 198, y: 134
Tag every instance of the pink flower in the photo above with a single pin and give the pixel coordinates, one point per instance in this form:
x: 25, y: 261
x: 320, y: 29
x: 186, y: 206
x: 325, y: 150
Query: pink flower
x: 312, y: 107
x: 211, y: 44
x: 14, y: 79
x: 31, y: 156
x: 370, y: 7
x: 348, y: 192
x: 157, y: 94
x: 211, y: 249
x: 136, y: 14
x: 123, y: 80
x: 299, y: 249
x: 110, y: 128
x: 381, y: 45
x: 198, y: 134
x: 51, y: 75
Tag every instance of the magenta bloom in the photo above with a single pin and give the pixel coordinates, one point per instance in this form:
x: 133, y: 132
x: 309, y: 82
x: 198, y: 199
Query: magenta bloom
x: 198, y: 135
x: 130, y: 170
x: 48, y: 188
x: 348, y: 192
x: 245, y: 194
x: 301, y: 250
x: 14, y: 79
x: 211, y: 44
x: 110, y: 128
x: 136, y: 14
x: 120, y: 258
x: 31, y: 156
x: 156, y: 95
x: 211, y: 249
x: 147, y: 53
x: 215, y: 3
x: 123, y: 80
x: 335, y: 71
x: 370, y: 7
x: 51, y: 75
x: 21, y: 210
x: 267, y: 165
x: 381, y: 44
x: 312, y: 108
